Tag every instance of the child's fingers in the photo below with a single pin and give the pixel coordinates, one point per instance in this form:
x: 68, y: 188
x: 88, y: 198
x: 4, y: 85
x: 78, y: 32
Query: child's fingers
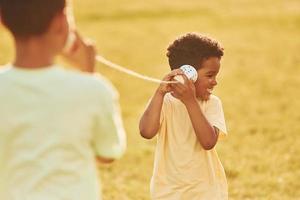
x: 84, y: 42
x: 89, y: 43
x: 190, y: 83
x: 79, y: 39
x: 175, y: 72
x: 178, y: 88
x: 175, y: 95
x: 185, y: 78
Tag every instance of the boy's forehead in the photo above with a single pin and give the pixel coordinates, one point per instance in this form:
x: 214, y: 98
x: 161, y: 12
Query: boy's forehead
x: 211, y: 64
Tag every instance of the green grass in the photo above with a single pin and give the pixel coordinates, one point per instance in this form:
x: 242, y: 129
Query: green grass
x: 258, y: 84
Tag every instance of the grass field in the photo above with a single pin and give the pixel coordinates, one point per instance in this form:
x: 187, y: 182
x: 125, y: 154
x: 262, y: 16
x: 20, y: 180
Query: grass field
x: 258, y: 84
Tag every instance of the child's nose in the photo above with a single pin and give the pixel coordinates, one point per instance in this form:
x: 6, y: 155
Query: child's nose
x: 214, y: 82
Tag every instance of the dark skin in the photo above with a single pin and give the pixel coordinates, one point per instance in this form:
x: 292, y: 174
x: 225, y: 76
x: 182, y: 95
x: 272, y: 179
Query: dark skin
x: 188, y: 93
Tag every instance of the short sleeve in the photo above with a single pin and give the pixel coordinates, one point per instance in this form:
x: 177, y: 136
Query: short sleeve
x: 109, y: 139
x: 215, y: 115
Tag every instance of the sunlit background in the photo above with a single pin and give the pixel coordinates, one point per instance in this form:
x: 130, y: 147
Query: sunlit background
x: 259, y: 85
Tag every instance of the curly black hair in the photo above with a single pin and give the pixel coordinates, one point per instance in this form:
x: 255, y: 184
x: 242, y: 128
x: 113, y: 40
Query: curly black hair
x: 192, y: 49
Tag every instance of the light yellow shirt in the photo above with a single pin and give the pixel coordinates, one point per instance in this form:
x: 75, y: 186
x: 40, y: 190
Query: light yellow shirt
x: 183, y: 170
x: 52, y: 124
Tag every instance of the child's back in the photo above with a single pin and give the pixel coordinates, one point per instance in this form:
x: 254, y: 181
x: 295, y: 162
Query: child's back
x: 51, y: 123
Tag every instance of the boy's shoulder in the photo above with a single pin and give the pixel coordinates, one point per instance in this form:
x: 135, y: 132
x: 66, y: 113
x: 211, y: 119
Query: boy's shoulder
x: 214, y: 104
x: 5, y: 74
x: 90, y: 82
x: 214, y: 98
x: 213, y: 101
x: 65, y: 79
x: 4, y: 69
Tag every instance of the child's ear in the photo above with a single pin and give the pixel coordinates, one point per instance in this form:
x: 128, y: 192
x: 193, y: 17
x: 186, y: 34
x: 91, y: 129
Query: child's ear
x: 59, y: 24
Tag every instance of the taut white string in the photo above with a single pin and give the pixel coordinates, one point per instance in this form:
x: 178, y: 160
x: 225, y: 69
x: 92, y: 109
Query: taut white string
x: 71, y: 20
x: 129, y: 72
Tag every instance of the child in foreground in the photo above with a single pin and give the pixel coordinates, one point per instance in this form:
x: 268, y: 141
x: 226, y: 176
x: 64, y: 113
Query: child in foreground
x: 54, y: 123
x: 188, y: 120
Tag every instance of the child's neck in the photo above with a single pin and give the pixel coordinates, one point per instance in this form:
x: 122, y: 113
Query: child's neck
x: 33, y: 54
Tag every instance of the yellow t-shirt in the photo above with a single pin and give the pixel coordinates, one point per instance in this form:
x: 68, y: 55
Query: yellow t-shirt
x: 183, y: 170
x: 53, y: 123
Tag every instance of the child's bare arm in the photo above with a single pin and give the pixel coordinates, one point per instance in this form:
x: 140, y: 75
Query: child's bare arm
x: 206, y: 134
x: 149, y: 123
x: 150, y: 120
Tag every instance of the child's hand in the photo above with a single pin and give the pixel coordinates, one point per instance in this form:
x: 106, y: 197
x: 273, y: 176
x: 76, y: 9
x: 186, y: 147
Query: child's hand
x: 82, y: 54
x: 184, y: 92
x: 166, y: 87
